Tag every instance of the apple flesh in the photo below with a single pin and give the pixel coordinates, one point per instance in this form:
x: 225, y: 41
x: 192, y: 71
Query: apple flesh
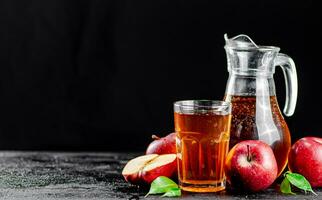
x: 144, y: 169
x: 251, y: 165
x: 305, y: 158
x: 165, y: 145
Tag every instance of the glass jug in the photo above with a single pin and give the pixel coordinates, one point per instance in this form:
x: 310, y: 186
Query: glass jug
x: 251, y: 90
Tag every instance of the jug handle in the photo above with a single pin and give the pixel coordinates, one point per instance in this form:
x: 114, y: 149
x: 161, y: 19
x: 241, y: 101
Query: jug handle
x: 290, y: 75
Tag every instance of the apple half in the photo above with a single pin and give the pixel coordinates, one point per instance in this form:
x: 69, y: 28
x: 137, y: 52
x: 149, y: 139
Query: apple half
x: 144, y: 169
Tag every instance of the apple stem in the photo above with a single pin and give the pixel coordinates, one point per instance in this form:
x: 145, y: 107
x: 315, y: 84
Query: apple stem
x: 155, y: 137
x: 248, y: 154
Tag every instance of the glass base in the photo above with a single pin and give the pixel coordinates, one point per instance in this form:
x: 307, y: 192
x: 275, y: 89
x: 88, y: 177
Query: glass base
x: 189, y: 187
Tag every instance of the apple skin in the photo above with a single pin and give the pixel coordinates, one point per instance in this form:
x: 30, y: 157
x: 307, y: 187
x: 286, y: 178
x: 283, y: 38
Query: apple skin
x: 251, y: 165
x: 305, y: 158
x: 169, y: 170
x: 165, y: 145
x: 133, y: 178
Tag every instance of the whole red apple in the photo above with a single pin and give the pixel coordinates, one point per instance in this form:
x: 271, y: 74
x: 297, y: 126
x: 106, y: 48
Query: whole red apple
x: 251, y: 165
x: 305, y: 158
x: 165, y: 145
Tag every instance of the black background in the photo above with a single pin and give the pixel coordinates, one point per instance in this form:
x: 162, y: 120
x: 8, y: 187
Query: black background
x: 102, y: 75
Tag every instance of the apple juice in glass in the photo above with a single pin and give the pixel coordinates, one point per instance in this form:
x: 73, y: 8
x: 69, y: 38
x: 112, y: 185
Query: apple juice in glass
x: 202, y: 140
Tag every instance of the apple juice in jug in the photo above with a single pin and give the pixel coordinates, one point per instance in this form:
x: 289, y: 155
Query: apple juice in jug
x: 243, y: 127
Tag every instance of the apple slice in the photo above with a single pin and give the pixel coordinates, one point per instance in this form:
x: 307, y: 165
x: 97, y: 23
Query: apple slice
x: 144, y: 169
x: 132, y: 169
x: 163, y: 165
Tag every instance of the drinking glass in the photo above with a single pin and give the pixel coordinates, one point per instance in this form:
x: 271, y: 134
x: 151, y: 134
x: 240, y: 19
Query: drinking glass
x: 202, y: 141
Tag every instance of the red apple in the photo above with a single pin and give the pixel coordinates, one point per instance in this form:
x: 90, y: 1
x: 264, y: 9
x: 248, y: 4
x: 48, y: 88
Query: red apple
x: 251, y: 165
x: 165, y: 145
x: 144, y: 169
x: 305, y: 158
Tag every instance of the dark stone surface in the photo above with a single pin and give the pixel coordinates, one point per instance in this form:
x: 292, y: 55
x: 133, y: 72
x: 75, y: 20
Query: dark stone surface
x: 48, y: 175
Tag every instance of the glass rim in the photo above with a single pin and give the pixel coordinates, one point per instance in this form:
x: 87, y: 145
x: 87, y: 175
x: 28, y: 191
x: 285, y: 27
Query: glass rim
x: 215, y: 104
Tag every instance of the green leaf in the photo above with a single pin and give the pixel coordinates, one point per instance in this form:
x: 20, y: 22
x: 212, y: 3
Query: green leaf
x: 162, y: 185
x: 175, y: 192
x: 286, y: 187
x: 299, y: 181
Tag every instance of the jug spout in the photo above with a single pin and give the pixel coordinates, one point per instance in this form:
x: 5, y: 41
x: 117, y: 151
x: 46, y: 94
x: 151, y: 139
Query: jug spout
x: 245, y: 57
x: 241, y: 40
